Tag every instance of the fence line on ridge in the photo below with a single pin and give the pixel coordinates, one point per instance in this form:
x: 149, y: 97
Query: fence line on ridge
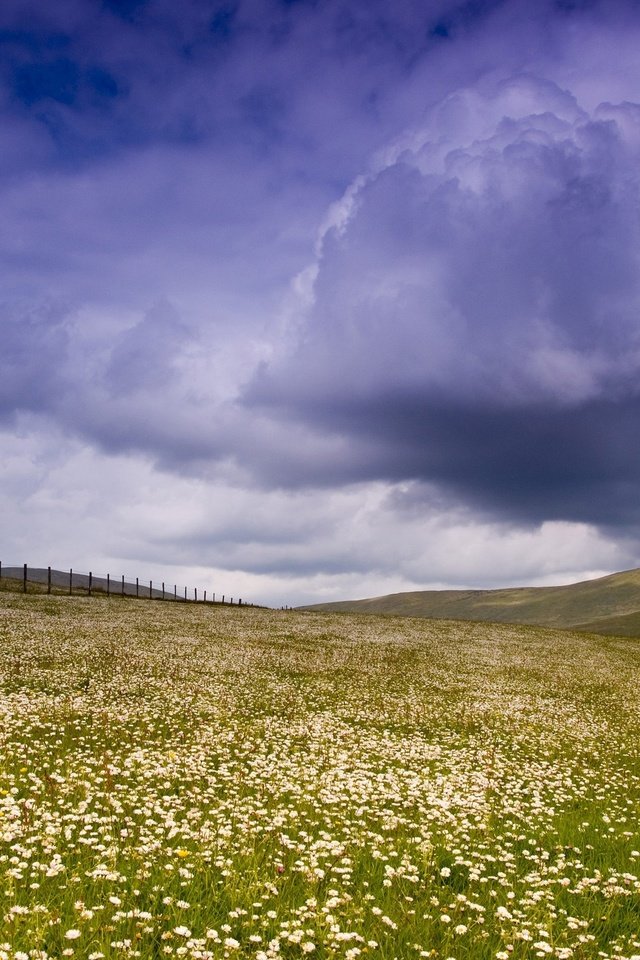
x: 49, y: 580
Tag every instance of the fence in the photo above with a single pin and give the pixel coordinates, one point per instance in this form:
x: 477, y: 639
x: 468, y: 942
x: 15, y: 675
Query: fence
x: 46, y: 579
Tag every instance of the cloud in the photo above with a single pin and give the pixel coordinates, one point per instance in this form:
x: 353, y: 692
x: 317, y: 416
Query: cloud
x: 343, y: 296
x: 68, y: 505
x: 474, y: 309
x: 144, y: 356
x: 33, y: 357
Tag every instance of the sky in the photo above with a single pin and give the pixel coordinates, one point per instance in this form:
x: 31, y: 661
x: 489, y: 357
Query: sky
x: 306, y: 300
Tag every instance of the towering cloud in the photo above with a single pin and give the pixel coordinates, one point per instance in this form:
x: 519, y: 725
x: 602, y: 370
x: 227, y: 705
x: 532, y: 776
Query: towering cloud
x: 474, y: 314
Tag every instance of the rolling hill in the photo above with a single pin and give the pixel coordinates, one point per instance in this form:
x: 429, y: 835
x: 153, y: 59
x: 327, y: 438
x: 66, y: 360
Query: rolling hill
x: 608, y: 605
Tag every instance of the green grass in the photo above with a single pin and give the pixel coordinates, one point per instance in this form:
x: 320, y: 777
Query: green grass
x: 12, y: 585
x: 623, y: 625
x: 607, y: 605
x: 209, y: 783
x: 16, y: 585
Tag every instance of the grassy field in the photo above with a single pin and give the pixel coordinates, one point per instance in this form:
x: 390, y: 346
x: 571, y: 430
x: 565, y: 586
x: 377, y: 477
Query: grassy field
x: 196, y: 782
x: 609, y: 605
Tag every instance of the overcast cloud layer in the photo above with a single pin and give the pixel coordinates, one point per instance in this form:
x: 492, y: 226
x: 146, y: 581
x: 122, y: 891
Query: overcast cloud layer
x: 317, y: 300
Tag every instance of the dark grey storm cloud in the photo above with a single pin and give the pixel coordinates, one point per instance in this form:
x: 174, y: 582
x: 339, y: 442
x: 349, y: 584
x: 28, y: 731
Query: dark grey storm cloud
x: 475, y: 314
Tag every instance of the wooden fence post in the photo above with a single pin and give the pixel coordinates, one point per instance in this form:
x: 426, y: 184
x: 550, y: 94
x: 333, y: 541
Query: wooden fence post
x: 175, y: 591
x: 90, y: 581
x: 150, y: 589
x: 195, y: 594
x: 123, y: 584
x: 70, y: 581
x: 137, y: 588
x: 108, y: 586
x: 24, y: 579
x: 48, y: 579
x: 163, y: 589
x: 205, y: 597
x: 185, y: 594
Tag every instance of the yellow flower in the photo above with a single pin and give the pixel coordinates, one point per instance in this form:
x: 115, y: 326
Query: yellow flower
x: 182, y: 853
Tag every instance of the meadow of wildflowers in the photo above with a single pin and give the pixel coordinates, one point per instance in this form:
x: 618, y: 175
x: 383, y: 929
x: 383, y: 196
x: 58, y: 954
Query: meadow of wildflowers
x: 205, y: 783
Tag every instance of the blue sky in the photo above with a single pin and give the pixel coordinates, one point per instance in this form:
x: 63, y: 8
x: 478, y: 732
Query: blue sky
x: 315, y: 300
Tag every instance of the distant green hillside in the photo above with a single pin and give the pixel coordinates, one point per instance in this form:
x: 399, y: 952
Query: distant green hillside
x: 606, y: 605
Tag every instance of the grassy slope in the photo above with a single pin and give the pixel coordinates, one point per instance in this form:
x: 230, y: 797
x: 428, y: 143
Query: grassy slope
x: 252, y: 785
x: 609, y: 604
